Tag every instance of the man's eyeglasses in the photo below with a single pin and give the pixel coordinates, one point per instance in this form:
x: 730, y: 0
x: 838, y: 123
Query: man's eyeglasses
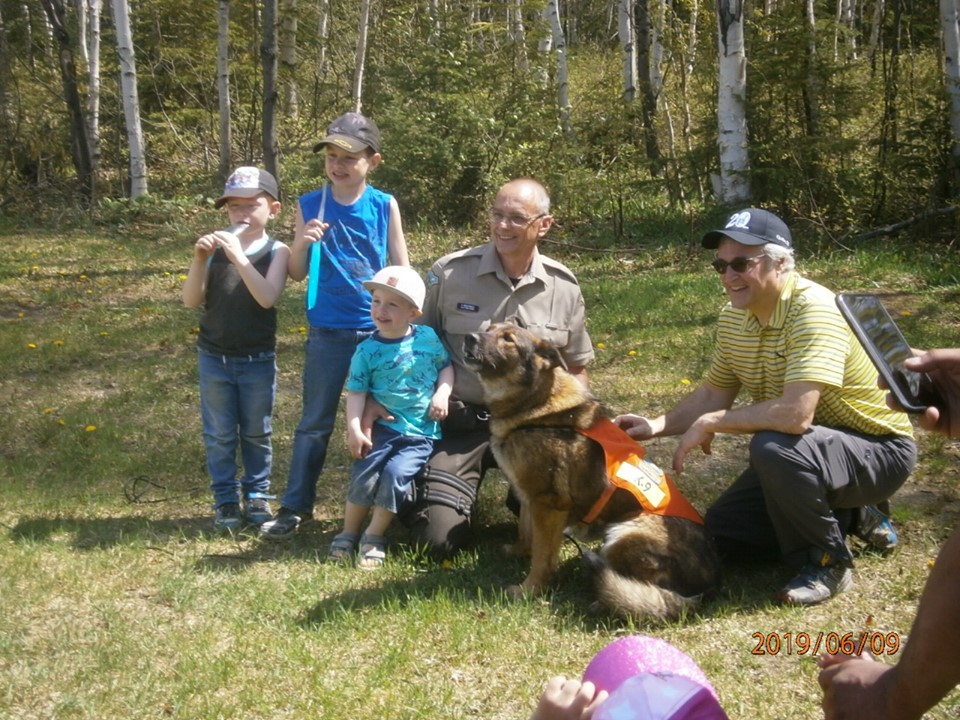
x: 515, y: 221
x: 738, y: 264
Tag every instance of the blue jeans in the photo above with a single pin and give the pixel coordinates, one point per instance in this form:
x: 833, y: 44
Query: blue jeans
x: 236, y: 404
x: 385, y: 475
x: 327, y: 362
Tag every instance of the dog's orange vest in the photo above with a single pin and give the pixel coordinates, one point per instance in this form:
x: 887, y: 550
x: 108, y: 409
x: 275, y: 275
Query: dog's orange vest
x: 627, y: 469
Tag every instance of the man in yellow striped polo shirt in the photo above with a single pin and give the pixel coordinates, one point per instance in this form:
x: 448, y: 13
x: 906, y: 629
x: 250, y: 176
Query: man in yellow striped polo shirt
x: 826, y: 449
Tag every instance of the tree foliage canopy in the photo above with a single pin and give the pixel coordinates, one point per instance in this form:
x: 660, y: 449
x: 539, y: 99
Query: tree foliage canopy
x: 464, y: 102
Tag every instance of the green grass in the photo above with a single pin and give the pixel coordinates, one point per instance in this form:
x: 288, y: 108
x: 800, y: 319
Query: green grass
x: 116, y: 600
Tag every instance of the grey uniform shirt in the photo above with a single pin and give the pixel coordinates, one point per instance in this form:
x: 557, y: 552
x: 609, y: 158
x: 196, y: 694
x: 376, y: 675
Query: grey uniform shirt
x: 468, y: 290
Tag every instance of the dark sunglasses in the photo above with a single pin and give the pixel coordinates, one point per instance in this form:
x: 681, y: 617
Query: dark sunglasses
x: 738, y: 264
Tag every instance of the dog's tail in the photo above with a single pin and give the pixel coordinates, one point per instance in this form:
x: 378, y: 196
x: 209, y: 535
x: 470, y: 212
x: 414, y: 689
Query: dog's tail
x: 635, y: 599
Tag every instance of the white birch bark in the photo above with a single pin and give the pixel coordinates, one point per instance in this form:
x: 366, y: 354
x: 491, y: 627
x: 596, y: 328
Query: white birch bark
x: 82, y: 31
x: 94, y: 10
x: 733, y: 186
x: 657, y: 25
x: 131, y: 102
x: 225, y: 159
x: 628, y: 48
x: 949, y: 19
x: 552, y: 12
x: 288, y: 57
x: 361, y: 57
x: 323, y: 23
x: 517, y: 32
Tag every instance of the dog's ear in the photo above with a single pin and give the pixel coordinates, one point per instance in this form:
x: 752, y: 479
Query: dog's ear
x: 516, y: 320
x: 549, y: 352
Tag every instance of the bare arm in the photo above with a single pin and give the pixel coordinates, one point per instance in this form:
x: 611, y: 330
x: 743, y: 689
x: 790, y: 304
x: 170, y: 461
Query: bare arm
x: 265, y: 289
x: 439, y: 404
x: 396, y: 242
x: 358, y: 438
x: 928, y: 667
x: 305, y: 234
x: 580, y: 373
x: 195, y: 288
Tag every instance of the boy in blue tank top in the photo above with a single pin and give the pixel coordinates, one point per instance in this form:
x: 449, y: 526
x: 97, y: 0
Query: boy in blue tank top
x: 238, y: 276
x: 345, y: 232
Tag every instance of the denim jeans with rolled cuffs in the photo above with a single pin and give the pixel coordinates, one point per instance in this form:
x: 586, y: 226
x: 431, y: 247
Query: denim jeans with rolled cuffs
x: 237, y: 395
x: 327, y: 362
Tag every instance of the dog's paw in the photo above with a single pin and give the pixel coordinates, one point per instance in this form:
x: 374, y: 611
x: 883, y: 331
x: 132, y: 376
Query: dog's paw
x: 516, y: 592
x: 517, y: 549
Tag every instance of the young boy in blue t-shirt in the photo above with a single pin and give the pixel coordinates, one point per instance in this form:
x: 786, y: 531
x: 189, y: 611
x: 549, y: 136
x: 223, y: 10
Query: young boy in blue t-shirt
x: 406, y: 369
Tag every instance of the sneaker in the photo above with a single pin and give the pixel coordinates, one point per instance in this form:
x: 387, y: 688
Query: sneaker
x: 816, y: 584
x: 283, y: 526
x: 227, y: 517
x: 876, y: 530
x: 257, y: 511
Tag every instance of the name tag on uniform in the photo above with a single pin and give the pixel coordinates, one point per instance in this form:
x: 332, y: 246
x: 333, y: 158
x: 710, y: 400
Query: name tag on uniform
x: 468, y: 307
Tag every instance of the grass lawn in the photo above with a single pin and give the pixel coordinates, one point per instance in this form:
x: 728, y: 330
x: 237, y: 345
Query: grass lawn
x: 118, y: 601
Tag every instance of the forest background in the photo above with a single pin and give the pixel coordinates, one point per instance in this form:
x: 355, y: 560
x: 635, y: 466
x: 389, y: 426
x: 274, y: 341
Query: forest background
x: 841, y: 115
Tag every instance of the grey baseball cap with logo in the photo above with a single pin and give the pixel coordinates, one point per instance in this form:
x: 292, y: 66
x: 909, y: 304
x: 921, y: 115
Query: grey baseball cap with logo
x: 248, y: 182
x: 352, y: 132
x: 751, y: 226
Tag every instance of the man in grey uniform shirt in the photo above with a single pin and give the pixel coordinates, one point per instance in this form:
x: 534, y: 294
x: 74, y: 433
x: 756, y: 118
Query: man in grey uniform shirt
x: 504, y: 279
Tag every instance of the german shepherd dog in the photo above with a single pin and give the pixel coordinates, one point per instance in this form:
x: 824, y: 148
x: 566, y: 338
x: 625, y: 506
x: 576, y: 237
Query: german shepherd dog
x: 651, y: 566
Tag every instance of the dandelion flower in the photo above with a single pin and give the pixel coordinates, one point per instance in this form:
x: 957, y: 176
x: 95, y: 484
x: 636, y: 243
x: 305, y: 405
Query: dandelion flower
x: 104, y: 333
x: 601, y: 346
x: 632, y: 353
x: 685, y: 382
x: 90, y: 428
x: 58, y: 343
x: 47, y: 410
x: 32, y: 346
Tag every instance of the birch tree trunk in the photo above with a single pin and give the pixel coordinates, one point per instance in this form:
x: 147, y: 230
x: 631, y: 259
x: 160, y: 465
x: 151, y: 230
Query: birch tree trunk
x: 628, y: 48
x: 517, y: 33
x: 95, y: 8
x: 79, y: 145
x: 646, y: 72
x: 733, y: 186
x: 950, y: 27
x: 813, y: 78
x: 225, y: 159
x: 361, y: 57
x: 288, y: 58
x: 131, y: 102
x: 563, y: 88
x: 323, y: 23
x: 268, y: 59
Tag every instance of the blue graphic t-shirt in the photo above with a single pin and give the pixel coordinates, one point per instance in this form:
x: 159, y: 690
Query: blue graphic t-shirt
x: 401, y: 375
x: 352, y: 250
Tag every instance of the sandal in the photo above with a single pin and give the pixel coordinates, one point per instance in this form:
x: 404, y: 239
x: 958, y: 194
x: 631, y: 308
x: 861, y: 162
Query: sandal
x: 342, y: 548
x: 373, y: 551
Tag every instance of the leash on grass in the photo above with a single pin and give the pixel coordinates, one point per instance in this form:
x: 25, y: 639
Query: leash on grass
x: 137, y: 488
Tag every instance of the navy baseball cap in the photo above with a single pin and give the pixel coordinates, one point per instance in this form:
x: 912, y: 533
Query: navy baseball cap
x: 752, y: 226
x: 352, y: 132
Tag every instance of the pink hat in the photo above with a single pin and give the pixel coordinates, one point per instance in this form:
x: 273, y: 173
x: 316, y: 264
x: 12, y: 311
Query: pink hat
x: 650, y: 679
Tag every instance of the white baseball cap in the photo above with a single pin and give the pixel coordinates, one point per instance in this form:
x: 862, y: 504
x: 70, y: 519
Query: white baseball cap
x: 402, y: 280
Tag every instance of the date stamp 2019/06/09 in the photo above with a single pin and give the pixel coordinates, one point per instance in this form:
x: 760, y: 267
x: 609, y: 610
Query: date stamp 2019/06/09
x: 835, y: 643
